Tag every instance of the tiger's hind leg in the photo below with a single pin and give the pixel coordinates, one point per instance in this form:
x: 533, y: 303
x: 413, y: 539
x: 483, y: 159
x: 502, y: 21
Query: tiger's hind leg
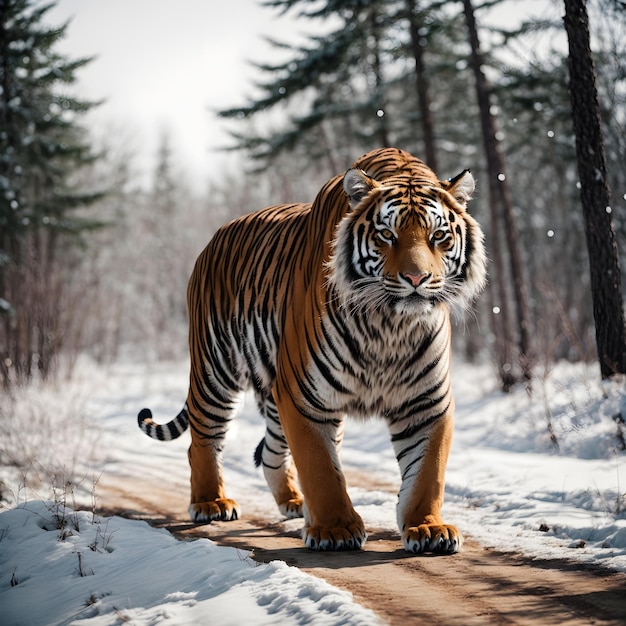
x: 274, y: 455
x: 209, y: 419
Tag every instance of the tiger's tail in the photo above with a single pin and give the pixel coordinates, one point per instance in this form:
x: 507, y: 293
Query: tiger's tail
x: 258, y: 453
x: 163, y: 432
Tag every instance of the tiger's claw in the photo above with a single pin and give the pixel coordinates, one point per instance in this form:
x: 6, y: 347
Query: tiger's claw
x: 220, y: 509
x: 440, y: 539
x: 292, y: 508
x: 353, y: 537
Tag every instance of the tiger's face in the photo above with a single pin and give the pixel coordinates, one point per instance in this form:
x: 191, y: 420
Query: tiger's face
x: 407, y: 244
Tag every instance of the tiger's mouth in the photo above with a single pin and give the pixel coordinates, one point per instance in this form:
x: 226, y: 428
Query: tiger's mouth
x: 372, y: 294
x: 413, y: 302
x: 416, y: 297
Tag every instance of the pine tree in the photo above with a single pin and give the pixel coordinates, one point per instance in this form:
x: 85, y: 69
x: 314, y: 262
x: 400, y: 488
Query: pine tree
x: 422, y: 81
x: 606, y: 286
x: 539, y: 142
x: 41, y: 148
x: 365, y: 84
x: 500, y: 201
x: 337, y: 79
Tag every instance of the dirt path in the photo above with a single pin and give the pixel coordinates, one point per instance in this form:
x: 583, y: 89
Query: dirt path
x: 476, y: 586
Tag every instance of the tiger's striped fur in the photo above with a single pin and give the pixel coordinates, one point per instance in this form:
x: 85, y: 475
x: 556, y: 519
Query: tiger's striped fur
x: 335, y: 308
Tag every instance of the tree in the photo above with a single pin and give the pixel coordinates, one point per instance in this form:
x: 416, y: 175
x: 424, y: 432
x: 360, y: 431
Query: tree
x: 334, y: 82
x: 41, y: 149
x: 163, y: 220
x: 606, y: 286
x: 539, y: 279
x: 500, y: 201
x: 349, y: 86
x: 422, y: 83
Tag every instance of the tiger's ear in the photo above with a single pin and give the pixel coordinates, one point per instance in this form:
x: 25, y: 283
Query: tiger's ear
x: 461, y: 187
x: 357, y: 184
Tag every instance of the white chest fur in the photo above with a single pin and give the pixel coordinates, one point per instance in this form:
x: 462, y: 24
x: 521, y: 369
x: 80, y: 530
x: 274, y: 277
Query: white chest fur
x: 375, y: 366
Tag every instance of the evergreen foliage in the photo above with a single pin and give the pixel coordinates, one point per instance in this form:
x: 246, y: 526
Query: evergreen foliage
x: 40, y: 142
x: 336, y: 81
x: 41, y: 149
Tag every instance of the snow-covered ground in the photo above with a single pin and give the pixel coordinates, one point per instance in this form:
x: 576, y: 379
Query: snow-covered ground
x: 541, y: 474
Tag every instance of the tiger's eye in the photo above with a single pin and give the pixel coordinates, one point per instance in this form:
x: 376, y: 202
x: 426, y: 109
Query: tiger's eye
x: 438, y: 235
x: 387, y: 235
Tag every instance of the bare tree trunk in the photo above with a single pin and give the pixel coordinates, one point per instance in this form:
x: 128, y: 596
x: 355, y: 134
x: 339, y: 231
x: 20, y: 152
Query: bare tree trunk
x: 423, y: 87
x: 606, y: 285
x: 383, y: 126
x: 499, y: 301
x: 499, y: 189
x: 333, y: 166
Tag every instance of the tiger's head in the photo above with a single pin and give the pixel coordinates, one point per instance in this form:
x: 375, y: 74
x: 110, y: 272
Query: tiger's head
x: 407, y: 244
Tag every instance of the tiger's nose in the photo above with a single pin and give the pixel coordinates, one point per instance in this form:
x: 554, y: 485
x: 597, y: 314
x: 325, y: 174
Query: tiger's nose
x: 415, y: 279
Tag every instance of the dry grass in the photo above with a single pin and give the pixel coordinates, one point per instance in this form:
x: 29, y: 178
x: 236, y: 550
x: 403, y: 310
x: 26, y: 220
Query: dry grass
x: 46, y: 440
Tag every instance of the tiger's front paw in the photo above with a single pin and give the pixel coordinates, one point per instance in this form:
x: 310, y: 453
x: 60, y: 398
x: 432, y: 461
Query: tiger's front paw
x: 221, y: 509
x: 440, y: 538
x: 352, y: 537
x: 292, y: 508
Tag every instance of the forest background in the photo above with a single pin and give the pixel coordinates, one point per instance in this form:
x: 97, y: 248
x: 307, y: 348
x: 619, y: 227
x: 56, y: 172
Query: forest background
x: 94, y: 260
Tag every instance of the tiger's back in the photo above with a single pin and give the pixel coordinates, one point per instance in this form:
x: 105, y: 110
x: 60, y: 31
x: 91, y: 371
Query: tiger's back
x: 238, y: 290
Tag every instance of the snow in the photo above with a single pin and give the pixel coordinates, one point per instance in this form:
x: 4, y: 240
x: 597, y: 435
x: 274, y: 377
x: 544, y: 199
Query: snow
x: 73, y: 567
x: 540, y: 474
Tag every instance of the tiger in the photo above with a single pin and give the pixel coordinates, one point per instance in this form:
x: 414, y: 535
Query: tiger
x: 335, y: 308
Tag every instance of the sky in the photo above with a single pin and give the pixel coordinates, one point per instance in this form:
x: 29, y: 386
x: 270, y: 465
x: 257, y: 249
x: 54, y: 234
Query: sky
x: 166, y: 66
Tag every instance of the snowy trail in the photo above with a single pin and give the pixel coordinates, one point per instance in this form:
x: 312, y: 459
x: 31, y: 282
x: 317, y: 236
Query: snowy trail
x: 505, y: 485
x: 501, y: 487
x: 468, y: 588
x: 546, y: 528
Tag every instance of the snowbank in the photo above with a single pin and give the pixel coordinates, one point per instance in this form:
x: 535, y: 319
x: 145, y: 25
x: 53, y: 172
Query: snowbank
x: 58, y: 566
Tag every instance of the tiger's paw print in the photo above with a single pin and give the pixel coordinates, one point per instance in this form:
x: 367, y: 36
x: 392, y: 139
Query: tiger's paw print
x: 439, y: 538
x: 291, y: 508
x: 220, y: 509
x: 352, y: 537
